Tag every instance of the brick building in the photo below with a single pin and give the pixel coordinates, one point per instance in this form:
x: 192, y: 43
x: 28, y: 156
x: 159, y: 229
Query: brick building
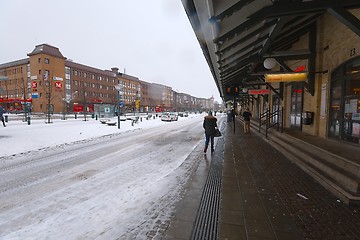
x: 48, y: 82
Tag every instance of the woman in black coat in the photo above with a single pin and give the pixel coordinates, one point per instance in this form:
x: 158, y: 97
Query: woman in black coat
x: 209, y: 125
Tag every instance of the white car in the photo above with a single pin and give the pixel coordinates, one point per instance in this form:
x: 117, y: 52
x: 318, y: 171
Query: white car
x: 169, y: 116
x: 174, y: 116
x: 104, y: 120
x: 166, y: 117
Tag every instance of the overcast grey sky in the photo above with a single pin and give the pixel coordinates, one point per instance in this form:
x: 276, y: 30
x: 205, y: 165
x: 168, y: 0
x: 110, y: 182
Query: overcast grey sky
x: 151, y: 39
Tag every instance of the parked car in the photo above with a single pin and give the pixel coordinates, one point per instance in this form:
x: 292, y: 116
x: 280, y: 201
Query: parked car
x: 104, y: 120
x: 174, y: 116
x: 165, y: 116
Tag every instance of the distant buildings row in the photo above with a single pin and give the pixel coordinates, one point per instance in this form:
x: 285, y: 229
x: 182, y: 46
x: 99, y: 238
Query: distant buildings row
x: 47, y: 81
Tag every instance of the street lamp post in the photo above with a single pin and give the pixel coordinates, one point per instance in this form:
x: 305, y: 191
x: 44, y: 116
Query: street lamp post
x: 118, y: 88
x: 65, y: 110
x: 24, y: 104
x: 84, y: 100
x: 48, y: 95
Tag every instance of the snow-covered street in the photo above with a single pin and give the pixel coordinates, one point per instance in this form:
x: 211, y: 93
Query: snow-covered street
x: 85, y: 180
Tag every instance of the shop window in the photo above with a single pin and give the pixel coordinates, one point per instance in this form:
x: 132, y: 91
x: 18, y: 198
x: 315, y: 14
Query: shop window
x: 344, y: 110
x: 353, y: 67
x: 352, y: 111
x: 296, y: 105
x: 276, y: 107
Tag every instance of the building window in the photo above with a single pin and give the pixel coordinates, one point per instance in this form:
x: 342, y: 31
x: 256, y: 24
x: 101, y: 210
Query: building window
x: 47, y: 61
x: 344, y: 109
x: 39, y: 60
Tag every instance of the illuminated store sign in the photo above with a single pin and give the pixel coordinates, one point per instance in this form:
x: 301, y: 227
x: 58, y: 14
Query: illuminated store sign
x: 259, y: 91
x: 286, y: 77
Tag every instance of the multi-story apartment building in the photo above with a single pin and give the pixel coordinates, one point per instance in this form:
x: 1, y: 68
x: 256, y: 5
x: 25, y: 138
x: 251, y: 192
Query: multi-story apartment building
x: 162, y: 97
x: 183, y: 102
x: 14, y: 87
x: 51, y: 83
x: 130, y: 92
x: 85, y: 87
x: 48, y: 82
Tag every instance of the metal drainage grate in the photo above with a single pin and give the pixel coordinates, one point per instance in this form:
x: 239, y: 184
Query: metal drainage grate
x: 207, y: 219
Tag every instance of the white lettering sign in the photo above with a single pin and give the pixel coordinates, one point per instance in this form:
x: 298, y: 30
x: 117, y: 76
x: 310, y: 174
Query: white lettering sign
x: 57, y: 78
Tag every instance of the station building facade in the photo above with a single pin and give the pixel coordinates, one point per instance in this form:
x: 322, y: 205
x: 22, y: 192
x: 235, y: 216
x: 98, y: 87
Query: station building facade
x: 331, y: 107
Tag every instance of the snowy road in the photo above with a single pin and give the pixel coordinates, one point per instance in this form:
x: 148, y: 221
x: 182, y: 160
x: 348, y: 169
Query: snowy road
x: 120, y: 186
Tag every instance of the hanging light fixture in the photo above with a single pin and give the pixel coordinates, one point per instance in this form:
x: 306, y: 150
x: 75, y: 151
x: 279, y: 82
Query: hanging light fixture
x: 269, y: 63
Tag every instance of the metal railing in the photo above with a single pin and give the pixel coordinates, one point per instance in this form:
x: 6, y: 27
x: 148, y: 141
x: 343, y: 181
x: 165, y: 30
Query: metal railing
x: 271, y: 119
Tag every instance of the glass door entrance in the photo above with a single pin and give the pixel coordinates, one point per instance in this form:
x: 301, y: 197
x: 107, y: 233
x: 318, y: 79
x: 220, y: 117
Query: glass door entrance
x: 344, y: 111
x: 296, y: 105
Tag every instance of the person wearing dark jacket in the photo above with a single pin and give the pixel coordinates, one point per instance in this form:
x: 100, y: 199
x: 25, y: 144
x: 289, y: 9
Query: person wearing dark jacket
x: 247, y: 115
x: 2, y: 111
x: 209, y: 125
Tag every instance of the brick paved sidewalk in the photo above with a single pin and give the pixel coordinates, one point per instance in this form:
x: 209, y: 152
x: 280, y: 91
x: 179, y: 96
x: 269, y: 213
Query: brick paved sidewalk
x: 317, y: 213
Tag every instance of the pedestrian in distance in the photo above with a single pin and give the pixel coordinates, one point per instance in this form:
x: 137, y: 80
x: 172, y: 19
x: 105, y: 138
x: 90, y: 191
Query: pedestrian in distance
x: 210, y: 126
x: 2, y: 111
x: 246, y: 115
x: 233, y: 115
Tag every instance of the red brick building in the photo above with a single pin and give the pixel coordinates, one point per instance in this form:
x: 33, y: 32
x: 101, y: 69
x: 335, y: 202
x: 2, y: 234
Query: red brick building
x: 48, y: 82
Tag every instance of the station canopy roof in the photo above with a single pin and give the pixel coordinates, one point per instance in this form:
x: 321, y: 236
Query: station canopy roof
x: 236, y: 36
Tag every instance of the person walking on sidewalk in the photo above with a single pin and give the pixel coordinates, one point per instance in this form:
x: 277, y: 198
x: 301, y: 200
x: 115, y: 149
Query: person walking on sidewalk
x: 209, y: 125
x: 246, y: 115
x: 2, y: 111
